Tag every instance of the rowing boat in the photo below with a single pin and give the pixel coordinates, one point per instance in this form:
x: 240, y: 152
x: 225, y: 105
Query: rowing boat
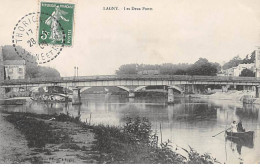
x: 240, y: 135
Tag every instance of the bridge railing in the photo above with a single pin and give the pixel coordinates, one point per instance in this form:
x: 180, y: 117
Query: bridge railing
x: 134, y: 77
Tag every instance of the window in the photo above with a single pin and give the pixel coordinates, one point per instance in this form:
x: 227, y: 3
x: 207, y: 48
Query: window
x: 10, y: 70
x: 20, y: 70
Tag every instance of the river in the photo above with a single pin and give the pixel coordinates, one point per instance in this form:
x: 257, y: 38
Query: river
x: 188, y: 122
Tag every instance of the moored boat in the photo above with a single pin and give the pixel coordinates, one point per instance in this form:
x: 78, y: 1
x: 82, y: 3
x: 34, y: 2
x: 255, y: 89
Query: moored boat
x: 51, y: 94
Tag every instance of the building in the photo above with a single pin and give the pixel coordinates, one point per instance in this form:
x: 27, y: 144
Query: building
x: 148, y: 72
x: 236, y: 71
x: 257, y: 62
x: 14, y: 69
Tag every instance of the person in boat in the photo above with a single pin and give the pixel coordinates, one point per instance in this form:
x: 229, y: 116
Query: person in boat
x: 240, y: 127
x: 233, y: 126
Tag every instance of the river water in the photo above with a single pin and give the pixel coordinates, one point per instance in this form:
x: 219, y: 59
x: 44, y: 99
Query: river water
x: 188, y: 122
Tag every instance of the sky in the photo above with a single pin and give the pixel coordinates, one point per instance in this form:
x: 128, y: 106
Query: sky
x: 175, y: 31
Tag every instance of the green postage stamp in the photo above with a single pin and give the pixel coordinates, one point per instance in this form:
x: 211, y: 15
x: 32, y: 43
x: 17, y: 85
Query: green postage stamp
x: 56, y: 23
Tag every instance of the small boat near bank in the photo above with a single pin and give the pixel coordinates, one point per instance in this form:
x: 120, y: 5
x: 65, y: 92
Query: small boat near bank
x: 249, y: 135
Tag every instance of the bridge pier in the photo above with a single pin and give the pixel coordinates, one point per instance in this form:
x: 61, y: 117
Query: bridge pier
x: 2, y: 93
x: 131, y: 94
x: 76, y: 99
x: 192, y: 88
x: 170, y: 95
x: 256, y: 92
x: 224, y: 88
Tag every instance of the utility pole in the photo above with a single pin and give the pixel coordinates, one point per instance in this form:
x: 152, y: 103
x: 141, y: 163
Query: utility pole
x: 74, y: 72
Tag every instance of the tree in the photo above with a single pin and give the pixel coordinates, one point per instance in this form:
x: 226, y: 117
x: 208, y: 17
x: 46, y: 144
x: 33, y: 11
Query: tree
x: 32, y: 69
x: 232, y: 63
x: 247, y: 73
x: 127, y: 69
x: 174, y: 69
x: 203, y: 67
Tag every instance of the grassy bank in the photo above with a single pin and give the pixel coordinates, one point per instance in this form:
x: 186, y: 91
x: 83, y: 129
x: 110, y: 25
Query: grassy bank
x: 135, y: 143
x: 54, y: 139
x: 132, y: 143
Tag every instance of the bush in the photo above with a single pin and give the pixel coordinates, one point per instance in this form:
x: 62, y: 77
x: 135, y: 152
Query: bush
x: 195, y: 158
x: 135, y: 143
x: 138, y: 128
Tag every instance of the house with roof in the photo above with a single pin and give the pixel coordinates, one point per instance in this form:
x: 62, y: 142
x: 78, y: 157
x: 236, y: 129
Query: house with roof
x: 236, y: 71
x: 14, y: 69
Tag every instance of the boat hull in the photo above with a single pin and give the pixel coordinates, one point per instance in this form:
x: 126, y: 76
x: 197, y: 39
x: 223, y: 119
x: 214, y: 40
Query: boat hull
x: 240, y: 135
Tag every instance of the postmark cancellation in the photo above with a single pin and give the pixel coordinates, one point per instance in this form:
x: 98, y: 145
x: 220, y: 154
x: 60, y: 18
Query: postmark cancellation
x: 39, y: 37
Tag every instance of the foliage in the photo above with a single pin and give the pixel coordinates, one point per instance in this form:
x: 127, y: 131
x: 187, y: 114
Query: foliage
x: 201, y: 67
x: 232, y: 63
x: 250, y: 60
x: 32, y: 69
x: 132, y: 143
x: 36, y: 132
x: 235, y: 61
x: 195, y: 158
x: 247, y: 73
x: 135, y: 143
x: 165, y: 155
x: 174, y: 69
x: 127, y: 69
x: 139, y: 128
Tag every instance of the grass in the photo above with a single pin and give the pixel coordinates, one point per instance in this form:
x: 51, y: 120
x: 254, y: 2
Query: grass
x: 133, y: 143
x: 37, y: 132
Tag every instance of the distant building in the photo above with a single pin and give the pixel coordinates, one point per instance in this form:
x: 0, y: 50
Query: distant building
x: 148, y: 72
x: 14, y: 69
x: 236, y: 71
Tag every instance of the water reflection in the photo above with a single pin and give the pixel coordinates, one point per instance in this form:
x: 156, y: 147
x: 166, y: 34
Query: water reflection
x: 187, y: 122
x: 236, y: 145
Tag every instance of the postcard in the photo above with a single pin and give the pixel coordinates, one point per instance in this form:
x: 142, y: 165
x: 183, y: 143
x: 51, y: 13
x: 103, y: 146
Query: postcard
x: 129, y: 82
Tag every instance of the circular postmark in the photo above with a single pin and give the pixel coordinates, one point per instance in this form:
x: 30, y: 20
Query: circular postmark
x: 25, y: 40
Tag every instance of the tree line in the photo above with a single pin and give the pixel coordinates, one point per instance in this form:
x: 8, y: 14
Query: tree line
x: 200, y: 67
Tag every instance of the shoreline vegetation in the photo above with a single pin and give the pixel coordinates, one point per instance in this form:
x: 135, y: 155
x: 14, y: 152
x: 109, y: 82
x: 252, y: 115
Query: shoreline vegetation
x: 65, y: 139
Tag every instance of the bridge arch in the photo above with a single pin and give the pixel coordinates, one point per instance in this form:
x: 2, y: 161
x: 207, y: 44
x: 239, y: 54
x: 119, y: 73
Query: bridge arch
x: 139, y: 88
x: 170, y: 86
x: 84, y: 88
x: 124, y: 88
x: 176, y: 88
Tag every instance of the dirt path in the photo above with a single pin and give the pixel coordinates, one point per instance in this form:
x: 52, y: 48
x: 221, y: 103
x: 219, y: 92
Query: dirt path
x: 13, y: 146
x: 65, y: 141
x: 77, y: 150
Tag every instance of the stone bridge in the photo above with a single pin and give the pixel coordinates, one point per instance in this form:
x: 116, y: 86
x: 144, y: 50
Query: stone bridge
x: 134, y: 83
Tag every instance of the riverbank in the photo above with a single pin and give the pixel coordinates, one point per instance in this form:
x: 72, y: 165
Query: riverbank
x: 13, y: 145
x: 63, y: 139
x: 15, y: 101
x: 54, y: 139
x: 230, y: 95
